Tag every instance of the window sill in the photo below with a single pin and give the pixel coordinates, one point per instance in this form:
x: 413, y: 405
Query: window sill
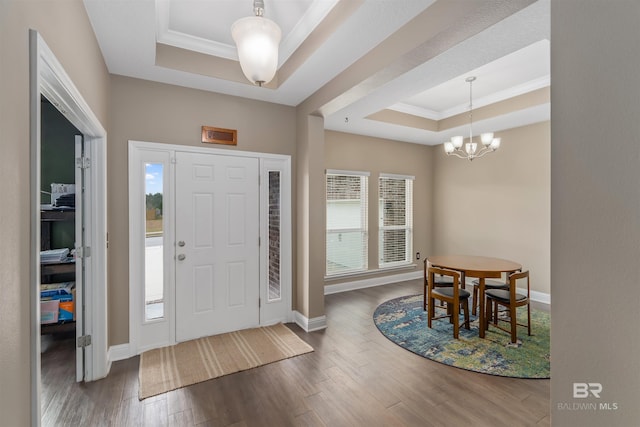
x: 369, y: 272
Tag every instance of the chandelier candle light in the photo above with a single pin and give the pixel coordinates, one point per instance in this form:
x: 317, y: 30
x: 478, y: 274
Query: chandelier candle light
x: 257, y: 39
x: 470, y: 151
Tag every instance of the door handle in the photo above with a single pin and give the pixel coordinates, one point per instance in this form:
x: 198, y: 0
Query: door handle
x: 181, y: 257
x: 181, y: 243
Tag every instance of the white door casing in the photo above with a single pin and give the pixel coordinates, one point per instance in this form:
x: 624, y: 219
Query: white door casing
x: 150, y: 333
x: 217, y: 253
x: 47, y: 77
x: 254, y: 274
x: 80, y: 243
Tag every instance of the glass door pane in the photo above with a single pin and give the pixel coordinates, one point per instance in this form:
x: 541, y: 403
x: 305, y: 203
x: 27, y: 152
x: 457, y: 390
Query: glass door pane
x: 154, y: 242
x: 275, y: 285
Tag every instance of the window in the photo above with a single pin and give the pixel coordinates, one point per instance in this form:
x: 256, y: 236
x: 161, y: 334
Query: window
x: 154, y: 242
x: 395, y: 213
x: 347, y: 238
x: 275, y: 285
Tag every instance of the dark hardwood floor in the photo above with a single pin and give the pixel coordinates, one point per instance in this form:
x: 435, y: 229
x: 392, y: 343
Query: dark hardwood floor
x: 355, y: 377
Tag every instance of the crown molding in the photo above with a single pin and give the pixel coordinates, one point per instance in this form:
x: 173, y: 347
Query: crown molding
x: 512, y: 92
x: 315, y: 14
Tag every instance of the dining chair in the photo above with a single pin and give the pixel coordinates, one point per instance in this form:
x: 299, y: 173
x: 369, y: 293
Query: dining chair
x: 452, y: 295
x: 439, y: 281
x: 488, y: 284
x: 510, y: 299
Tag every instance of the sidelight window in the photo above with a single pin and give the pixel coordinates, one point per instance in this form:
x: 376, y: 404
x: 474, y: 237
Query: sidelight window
x: 154, y: 242
x: 275, y: 285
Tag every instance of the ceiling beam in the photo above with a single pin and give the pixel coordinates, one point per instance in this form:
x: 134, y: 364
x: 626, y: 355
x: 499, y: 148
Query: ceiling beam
x: 438, y: 28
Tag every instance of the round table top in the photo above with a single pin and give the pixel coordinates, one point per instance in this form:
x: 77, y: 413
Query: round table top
x: 474, y: 263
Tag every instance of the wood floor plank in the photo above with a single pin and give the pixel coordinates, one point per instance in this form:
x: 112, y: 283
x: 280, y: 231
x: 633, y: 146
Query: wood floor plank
x: 181, y: 419
x: 408, y: 417
x: 178, y: 401
x: 130, y: 413
x: 308, y: 419
x: 355, y: 377
x: 155, y: 413
x: 204, y: 407
x: 328, y: 414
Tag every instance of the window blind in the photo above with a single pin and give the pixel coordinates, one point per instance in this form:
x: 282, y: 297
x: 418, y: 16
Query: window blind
x: 395, y: 213
x: 346, y: 229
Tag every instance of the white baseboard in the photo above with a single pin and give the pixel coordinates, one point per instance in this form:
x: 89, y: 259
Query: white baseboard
x: 371, y: 282
x: 309, y: 325
x: 123, y: 351
x: 540, y: 297
x: 119, y: 352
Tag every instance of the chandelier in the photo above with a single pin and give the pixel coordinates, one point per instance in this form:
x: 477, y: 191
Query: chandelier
x: 470, y: 151
x: 257, y: 40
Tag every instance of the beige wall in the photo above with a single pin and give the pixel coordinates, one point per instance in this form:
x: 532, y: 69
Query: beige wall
x: 66, y: 29
x: 498, y: 205
x: 156, y: 112
x: 595, y: 209
x: 595, y: 205
x: 310, y: 237
x: 375, y: 155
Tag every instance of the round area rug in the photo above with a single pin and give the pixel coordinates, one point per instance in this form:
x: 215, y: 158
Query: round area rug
x: 404, y: 322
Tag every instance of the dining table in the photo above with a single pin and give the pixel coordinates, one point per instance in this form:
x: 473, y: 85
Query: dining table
x: 480, y: 267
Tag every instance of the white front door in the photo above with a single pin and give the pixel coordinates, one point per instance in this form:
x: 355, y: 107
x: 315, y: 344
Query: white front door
x: 217, y: 244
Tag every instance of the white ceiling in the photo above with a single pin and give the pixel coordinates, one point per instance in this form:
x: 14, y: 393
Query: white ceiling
x: 190, y: 24
x: 509, y: 58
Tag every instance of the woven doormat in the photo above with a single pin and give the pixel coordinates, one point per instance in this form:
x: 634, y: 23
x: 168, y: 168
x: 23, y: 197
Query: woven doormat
x: 190, y: 362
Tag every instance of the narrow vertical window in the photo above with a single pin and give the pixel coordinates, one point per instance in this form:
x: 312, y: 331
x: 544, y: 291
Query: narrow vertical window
x: 395, y: 214
x: 346, y: 229
x: 154, y: 242
x: 275, y: 285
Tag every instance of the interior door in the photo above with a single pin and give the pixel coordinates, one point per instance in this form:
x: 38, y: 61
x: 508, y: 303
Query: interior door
x: 217, y: 244
x: 79, y: 246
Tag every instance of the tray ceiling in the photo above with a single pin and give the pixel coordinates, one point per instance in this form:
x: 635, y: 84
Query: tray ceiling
x: 392, y: 69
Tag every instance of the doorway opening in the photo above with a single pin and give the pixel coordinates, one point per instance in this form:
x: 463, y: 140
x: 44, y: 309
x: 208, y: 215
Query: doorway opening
x: 209, y: 242
x: 49, y: 80
x: 60, y: 219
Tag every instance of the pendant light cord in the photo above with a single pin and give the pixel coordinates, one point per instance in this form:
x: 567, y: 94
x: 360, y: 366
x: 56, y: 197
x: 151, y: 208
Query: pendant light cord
x: 471, y: 109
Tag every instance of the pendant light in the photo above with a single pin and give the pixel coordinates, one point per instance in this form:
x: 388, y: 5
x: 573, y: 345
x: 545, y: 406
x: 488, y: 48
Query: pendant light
x: 257, y: 39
